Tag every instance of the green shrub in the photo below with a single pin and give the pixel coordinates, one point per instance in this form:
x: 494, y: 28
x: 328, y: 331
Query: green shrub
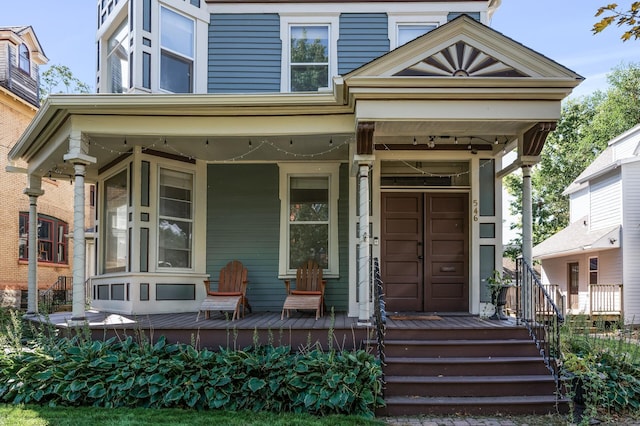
x: 602, y: 369
x: 125, y: 373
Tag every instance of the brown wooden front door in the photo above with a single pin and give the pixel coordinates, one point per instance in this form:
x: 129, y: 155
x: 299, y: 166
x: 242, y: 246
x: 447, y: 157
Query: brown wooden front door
x: 424, y: 252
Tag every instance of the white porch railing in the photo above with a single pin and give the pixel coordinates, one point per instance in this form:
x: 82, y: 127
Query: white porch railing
x: 606, y: 299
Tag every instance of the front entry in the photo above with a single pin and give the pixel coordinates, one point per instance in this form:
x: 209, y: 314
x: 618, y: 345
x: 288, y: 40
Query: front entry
x: 425, y: 251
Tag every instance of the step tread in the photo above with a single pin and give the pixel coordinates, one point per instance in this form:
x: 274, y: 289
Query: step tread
x: 470, y: 379
x: 438, y: 342
x: 472, y: 400
x: 462, y: 360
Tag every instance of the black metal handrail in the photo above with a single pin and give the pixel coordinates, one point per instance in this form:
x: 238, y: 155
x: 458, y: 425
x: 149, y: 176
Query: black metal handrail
x: 57, y: 294
x: 537, y: 311
x: 380, y: 314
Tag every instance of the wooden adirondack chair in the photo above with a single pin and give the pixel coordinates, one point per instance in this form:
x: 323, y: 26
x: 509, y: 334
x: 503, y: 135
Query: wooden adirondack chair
x: 309, y: 290
x: 231, y: 293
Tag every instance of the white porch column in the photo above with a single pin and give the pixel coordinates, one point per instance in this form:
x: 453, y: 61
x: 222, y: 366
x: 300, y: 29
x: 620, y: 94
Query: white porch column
x: 364, y: 261
x: 527, y: 216
x: 78, y: 157
x: 33, y: 192
x: 527, y: 238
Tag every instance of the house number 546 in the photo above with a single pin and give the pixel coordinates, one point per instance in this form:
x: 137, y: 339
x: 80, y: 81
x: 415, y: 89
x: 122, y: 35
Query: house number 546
x: 475, y: 210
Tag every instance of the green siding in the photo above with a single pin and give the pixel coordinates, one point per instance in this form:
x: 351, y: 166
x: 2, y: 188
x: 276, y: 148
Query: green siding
x: 244, y: 53
x: 243, y: 223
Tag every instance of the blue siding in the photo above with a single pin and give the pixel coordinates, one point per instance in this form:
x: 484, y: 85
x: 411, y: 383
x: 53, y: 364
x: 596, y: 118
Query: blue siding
x: 363, y: 38
x: 243, y: 223
x: 244, y: 53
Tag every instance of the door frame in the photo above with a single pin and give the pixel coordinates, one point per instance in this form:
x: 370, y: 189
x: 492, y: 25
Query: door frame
x: 468, y: 237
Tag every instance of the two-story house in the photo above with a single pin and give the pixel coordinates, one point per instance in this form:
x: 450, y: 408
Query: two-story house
x: 593, y: 260
x: 277, y: 131
x: 21, y: 56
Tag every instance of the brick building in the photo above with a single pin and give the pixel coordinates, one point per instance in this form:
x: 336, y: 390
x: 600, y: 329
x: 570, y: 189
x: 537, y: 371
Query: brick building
x: 20, y: 58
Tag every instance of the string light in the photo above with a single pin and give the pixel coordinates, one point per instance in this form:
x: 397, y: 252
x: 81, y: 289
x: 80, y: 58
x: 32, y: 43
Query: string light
x: 436, y: 175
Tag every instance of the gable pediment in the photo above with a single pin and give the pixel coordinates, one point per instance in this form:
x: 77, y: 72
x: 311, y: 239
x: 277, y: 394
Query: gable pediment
x: 463, y: 48
x: 460, y: 60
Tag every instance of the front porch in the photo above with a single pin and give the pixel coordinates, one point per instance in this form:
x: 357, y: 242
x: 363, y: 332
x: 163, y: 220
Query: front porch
x: 263, y: 327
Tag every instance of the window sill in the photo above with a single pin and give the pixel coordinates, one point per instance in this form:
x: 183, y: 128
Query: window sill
x: 45, y: 264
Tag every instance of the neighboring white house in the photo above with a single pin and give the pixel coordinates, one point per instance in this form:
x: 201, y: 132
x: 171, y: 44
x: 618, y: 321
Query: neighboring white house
x: 594, y: 260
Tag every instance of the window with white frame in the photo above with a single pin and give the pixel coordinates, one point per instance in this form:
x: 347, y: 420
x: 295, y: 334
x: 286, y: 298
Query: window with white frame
x: 115, y: 195
x: 24, y: 61
x: 175, y: 219
x: 593, y: 270
x: 118, y: 60
x: 177, y: 51
x: 309, y: 53
x: 408, y: 32
x: 403, y: 27
x: 309, y: 217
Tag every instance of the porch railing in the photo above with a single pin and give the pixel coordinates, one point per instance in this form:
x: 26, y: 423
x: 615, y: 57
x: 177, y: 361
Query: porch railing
x: 606, y: 299
x: 380, y: 314
x: 56, y: 295
x: 557, y: 297
x: 542, y: 317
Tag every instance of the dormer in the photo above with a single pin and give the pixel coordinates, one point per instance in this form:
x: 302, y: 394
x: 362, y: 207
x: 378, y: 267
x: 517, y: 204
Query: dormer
x: 20, y: 58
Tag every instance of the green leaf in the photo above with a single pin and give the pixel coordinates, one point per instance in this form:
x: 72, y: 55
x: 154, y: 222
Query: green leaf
x: 173, y: 395
x: 256, y: 384
x: 97, y: 391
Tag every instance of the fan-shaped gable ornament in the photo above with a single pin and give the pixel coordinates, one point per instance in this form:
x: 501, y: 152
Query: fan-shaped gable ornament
x: 460, y: 60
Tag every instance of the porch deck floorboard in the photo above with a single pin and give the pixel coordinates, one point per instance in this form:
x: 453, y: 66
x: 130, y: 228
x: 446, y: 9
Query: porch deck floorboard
x: 297, y: 330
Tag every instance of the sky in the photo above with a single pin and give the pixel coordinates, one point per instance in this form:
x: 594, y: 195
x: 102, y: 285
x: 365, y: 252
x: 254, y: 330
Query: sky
x: 558, y: 29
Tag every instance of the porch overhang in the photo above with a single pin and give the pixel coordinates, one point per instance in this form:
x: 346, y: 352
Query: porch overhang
x: 578, y: 239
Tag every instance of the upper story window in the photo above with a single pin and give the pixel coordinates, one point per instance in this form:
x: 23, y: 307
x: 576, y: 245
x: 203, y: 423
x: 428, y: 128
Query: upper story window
x: 24, y: 60
x: 404, y: 27
x: 175, y: 219
x: 408, y: 32
x: 118, y: 60
x: 52, y: 239
x: 309, y: 222
x: 309, y: 53
x: 177, y: 52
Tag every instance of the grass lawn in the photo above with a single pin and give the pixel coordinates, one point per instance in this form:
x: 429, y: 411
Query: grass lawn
x: 34, y: 415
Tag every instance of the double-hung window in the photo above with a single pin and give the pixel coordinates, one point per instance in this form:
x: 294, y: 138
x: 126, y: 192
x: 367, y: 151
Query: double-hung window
x: 177, y: 52
x: 309, y: 53
x: 175, y: 219
x: 52, y: 239
x: 309, y: 197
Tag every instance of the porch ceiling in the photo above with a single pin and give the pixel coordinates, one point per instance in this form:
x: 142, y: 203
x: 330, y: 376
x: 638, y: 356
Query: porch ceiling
x: 107, y: 149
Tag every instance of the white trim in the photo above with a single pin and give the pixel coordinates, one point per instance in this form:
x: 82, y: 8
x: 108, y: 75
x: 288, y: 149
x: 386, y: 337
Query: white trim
x: 398, y: 19
x: 362, y: 7
x: 286, y: 21
x: 330, y: 170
